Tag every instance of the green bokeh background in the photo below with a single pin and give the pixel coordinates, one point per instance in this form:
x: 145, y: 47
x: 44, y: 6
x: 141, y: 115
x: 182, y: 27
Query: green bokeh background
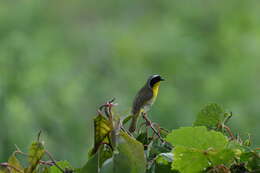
x: 59, y: 60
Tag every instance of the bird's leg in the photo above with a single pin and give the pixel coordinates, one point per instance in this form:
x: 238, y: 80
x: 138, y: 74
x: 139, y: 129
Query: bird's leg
x: 150, y: 124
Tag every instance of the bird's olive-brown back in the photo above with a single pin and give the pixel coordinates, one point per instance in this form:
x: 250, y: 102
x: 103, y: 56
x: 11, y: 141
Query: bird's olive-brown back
x: 144, y: 95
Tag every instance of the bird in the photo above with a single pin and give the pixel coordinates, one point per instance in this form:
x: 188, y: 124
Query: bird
x: 145, y: 98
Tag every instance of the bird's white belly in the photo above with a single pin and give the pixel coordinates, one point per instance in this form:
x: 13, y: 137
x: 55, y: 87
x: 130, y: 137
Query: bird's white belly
x: 148, y: 105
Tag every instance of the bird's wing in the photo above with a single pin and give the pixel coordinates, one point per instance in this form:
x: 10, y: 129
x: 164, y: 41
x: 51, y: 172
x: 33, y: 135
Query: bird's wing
x: 142, y: 97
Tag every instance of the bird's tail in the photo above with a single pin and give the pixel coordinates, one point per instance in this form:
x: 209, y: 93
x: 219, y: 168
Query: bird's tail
x: 132, y: 126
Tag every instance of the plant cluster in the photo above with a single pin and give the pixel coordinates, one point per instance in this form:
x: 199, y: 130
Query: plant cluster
x: 208, y: 146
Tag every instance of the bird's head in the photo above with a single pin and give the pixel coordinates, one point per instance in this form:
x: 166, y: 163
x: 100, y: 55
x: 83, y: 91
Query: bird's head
x: 154, y: 79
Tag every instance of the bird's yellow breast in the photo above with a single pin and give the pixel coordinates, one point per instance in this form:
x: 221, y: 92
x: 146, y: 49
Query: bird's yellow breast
x: 155, y: 90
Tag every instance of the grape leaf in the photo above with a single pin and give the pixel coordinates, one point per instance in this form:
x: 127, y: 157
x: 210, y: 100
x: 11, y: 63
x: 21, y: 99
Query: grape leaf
x: 210, y: 116
x: 197, y: 137
x: 188, y: 160
x: 197, y: 148
x: 224, y: 157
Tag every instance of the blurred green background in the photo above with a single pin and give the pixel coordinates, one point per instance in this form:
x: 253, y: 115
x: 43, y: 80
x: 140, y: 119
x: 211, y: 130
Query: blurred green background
x: 59, y: 60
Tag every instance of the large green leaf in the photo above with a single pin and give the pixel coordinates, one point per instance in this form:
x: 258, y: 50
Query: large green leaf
x: 196, y: 148
x: 197, y: 137
x: 210, y: 116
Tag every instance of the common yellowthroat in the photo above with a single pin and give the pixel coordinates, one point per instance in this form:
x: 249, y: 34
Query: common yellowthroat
x: 145, y: 98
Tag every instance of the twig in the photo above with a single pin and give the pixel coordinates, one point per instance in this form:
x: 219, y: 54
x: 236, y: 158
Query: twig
x: 10, y: 166
x: 227, y: 118
x: 39, y: 135
x: 151, y: 125
x: 107, y: 108
x: 49, y: 163
x: 54, y: 162
x: 18, y: 151
x: 229, y: 131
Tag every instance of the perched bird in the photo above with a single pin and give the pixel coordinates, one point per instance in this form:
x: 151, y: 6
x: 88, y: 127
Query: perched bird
x: 145, y: 98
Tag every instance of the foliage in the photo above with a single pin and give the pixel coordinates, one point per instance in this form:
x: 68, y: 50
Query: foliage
x: 59, y: 59
x: 193, y: 149
x: 196, y: 149
x: 210, y: 116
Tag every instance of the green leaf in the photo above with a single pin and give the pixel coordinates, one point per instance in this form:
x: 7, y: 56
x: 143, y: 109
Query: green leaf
x: 4, y: 170
x: 130, y: 158
x: 105, y: 153
x: 46, y: 170
x: 108, y: 166
x: 196, y: 148
x: 126, y: 119
x: 210, y: 116
x: 65, y: 165
x: 188, y: 160
x: 15, y: 163
x: 252, y: 160
x: 156, y: 147
x: 197, y: 137
x: 36, y: 152
x: 102, y: 129
x: 161, y: 168
x: 142, y: 137
x: 92, y: 165
x: 224, y: 157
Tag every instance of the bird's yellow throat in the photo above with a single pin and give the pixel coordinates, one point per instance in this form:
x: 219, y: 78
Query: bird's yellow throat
x: 155, y: 89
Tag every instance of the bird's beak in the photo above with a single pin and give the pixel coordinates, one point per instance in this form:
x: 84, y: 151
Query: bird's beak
x: 162, y: 79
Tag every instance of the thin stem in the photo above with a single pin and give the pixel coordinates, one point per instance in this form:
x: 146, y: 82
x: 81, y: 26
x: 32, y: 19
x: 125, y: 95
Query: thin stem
x: 151, y: 125
x: 228, y: 117
x: 229, y: 131
x: 49, y: 163
x: 18, y: 151
x: 54, y: 162
x: 39, y: 135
